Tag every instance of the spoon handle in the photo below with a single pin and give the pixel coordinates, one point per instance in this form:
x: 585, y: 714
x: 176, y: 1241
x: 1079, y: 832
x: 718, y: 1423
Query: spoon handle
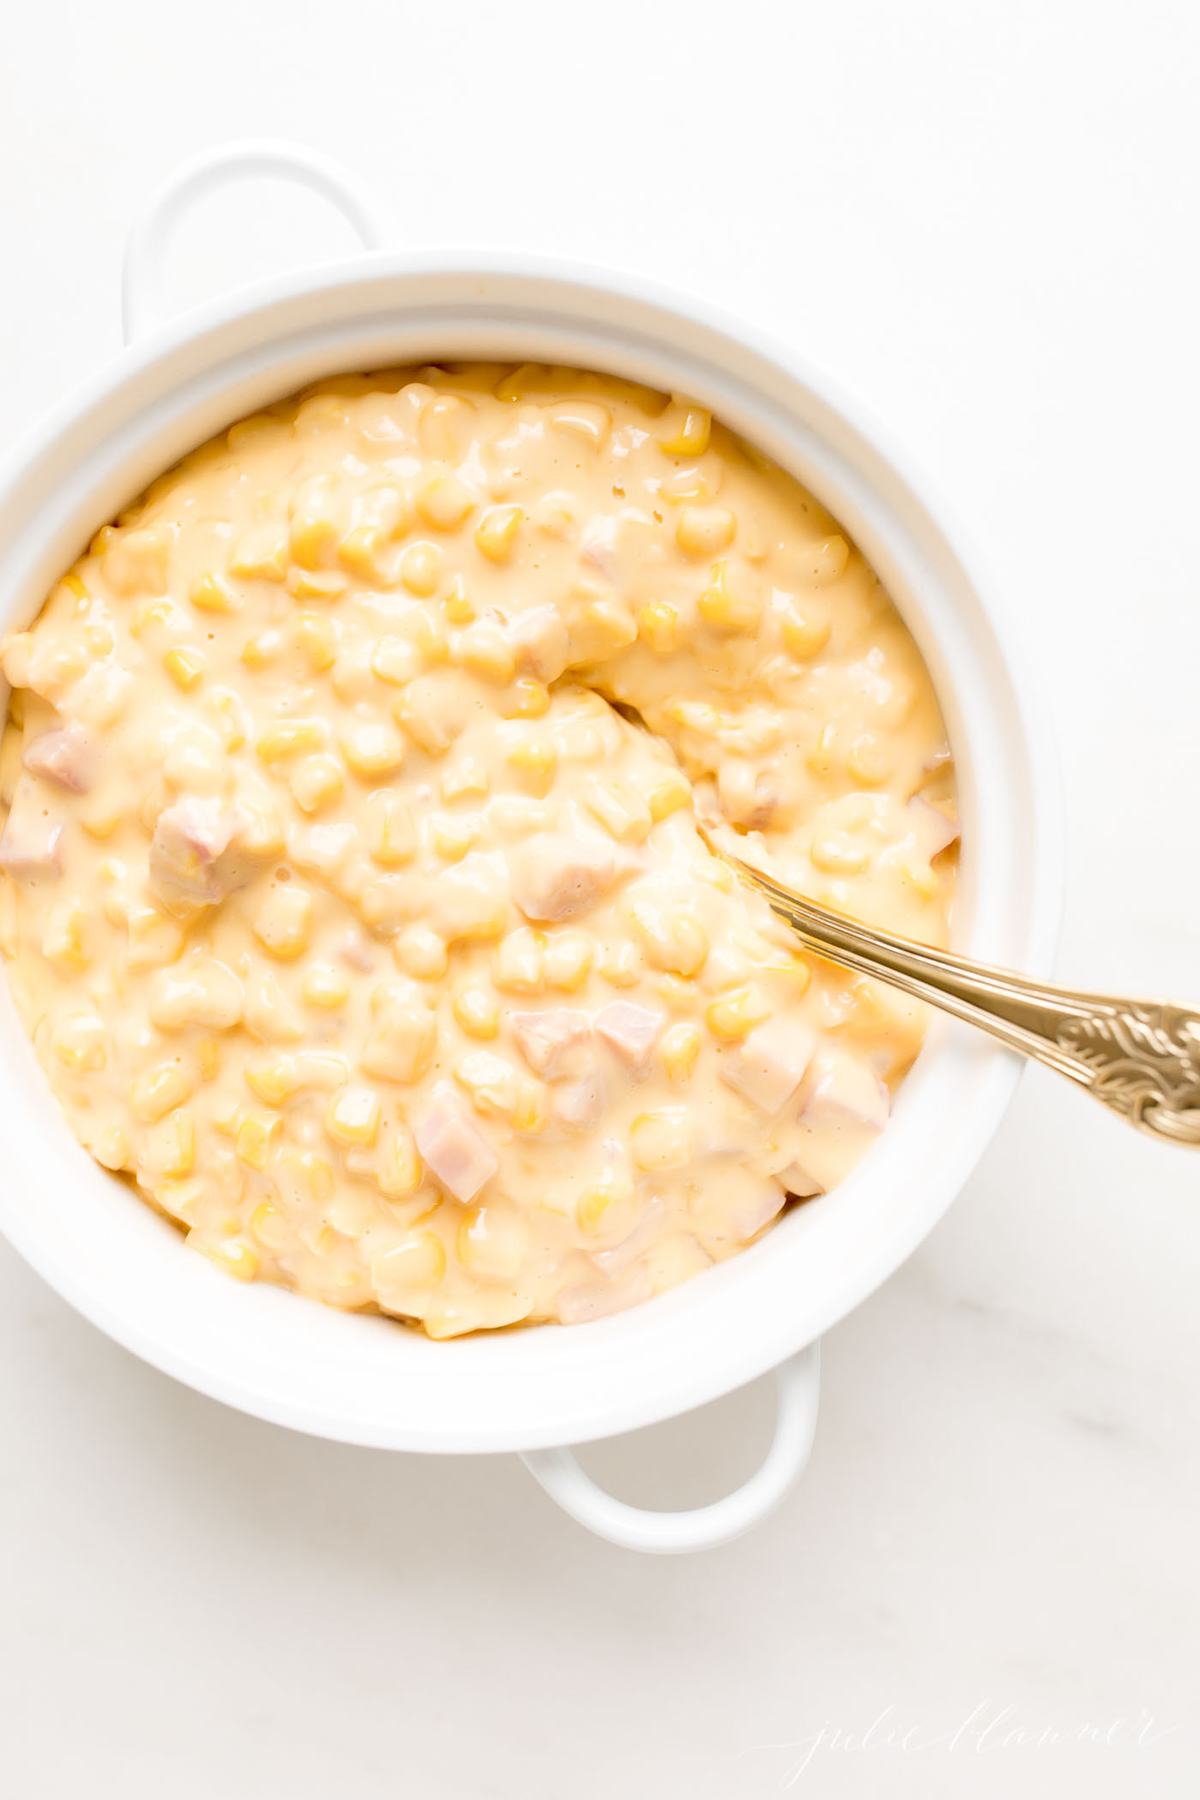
x: 1140, y: 1057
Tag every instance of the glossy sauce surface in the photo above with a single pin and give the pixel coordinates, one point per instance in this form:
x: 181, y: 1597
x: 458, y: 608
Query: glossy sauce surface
x: 353, y: 896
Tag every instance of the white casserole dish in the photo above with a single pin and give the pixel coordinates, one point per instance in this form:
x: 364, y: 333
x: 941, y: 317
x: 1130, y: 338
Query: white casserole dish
x: 364, y: 1380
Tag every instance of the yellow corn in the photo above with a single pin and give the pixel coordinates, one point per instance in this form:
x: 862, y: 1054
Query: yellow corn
x: 725, y: 610
x: 392, y: 834
x: 353, y: 1116
x: 316, y: 638
x: 704, y: 530
x: 805, y: 628
x: 484, y: 649
x: 673, y: 937
x: 526, y: 699
x: 731, y: 1015
x: 395, y: 661
x: 658, y: 626
x: 415, y: 1264
x: 668, y: 795
x: 314, y: 522
x: 179, y: 1150
x: 567, y: 961
x: 679, y: 1049
x: 620, y: 809
x: 421, y: 953
x: 398, y: 1172
x: 229, y: 716
x: 530, y: 1112
x: 208, y: 1058
x: 837, y: 853
x: 213, y: 594
x: 316, y: 584
x: 518, y: 966
x: 372, y: 747
x: 325, y: 986
x: 870, y: 761
x: 458, y: 606
x: 600, y: 627
x: 261, y: 555
x: 269, y: 1226
x: 685, y: 428
x: 231, y: 1254
x: 467, y: 778
x: 477, y: 1011
x: 273, y: 1078
x: 256, y: 1138
x: 534, y: 760
x: 421, y: 568
x: 316, y: 782
x: 620, y: 964
x: 283, y: 922
x: 660, y: 1140
x: 80, y: 1043
x: 496, y: 532
x: 264, y: 648
x: 112, y: 1149
x: 401, y: 1045
x: 64, y: 941
x: 154, y: 1093
x: 452, y: 835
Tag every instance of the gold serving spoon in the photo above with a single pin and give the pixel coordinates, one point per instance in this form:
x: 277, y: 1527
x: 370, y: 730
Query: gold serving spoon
x: 1140, y: 1057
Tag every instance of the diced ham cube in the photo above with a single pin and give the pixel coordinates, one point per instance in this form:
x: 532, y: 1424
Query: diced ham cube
x: 844, y: 1091
x: 539, y: 640
x: 769, y: 1066
x: 556, y: 878
x: 845, y: 1106
x: 554, y: 1042
x: 936, y: 831
x: 62, y: 756
x: 196, y: 856
x: 631, y: 1030
x: 795, y: 1179
x: 452, y: 1146
x: 31, y: 845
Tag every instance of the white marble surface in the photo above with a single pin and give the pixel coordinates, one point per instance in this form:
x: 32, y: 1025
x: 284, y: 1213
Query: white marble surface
x: 981, y: 219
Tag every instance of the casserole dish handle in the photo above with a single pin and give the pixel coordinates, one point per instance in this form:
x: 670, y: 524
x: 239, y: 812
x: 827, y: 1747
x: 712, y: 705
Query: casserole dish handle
x: 142, y: 284
x: 798, y: 1383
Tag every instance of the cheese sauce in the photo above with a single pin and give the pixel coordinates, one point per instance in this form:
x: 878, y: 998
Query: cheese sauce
x: 353, y: 896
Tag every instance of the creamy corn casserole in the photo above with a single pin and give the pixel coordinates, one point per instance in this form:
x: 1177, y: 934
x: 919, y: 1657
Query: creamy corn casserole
x: 353, y: 896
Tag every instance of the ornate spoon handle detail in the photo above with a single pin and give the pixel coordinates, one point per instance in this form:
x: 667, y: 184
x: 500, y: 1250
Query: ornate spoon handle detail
x: 1140, y: 1057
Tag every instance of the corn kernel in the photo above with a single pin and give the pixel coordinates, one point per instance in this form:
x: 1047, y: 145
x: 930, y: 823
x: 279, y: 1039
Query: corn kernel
x: 283, y: 923
x: 269, y: 1225
x: 704, y: 530
x: 208, y: 1058
x: 64, y: 940
x: 921, y: 875
x: 679, y: 1049
x: 685, y: 428
x: 484, y: 649
x: 112, y: 1149
x: 444, y: 501
x: 805, y: 628
x: 353, y: 1116
x: 518, y: 966
x: 155, y: 1092
x: 826, y: 561
x: 315, y: 524
x: 477, y: 1011
x: 526, y: 699
x: 490, y: 1081
x: 467, y: 778
x: 264, y: 648
x: 229, y: 716
x: 273, y: 1078
x: 534, y: 760
x: 870, y: 761
x: 605, y: 1203
x: 567, y: 961
x: 316, y: 782
x: 316, y: 584
x: 304, y: 1178
x: 668, y: 795
x: 496, y: 532
x: 620, y: 964
x: 420, y: 569
x: 316, y: 638
x: 231, y: 1254
x: 660, y: 1140
x: 395, y: 661
x: 324, y: 986
x: 146, y: 614
x: 398, y: 1171
x: 80, y: 1043
x: 458, y: 606
x: 453, y: 835
x: 837, y: 853
x: 620, y: 809
x: 530, y: 1112
x: 372, y: 747
x: 256, y: 1139
x: 672, y: 936
x: 725, y: 610
x: 658, y: 626
x: 261, y: 555
x: 409, y: 1269
x: 401, y: 1045
x: 213, y: 594
x: 421, y: 953
x: 363, y: 549
x: 735, y: 1013
x: 391, y: 832
x: 179, y: 1149
x: 599, y: 627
